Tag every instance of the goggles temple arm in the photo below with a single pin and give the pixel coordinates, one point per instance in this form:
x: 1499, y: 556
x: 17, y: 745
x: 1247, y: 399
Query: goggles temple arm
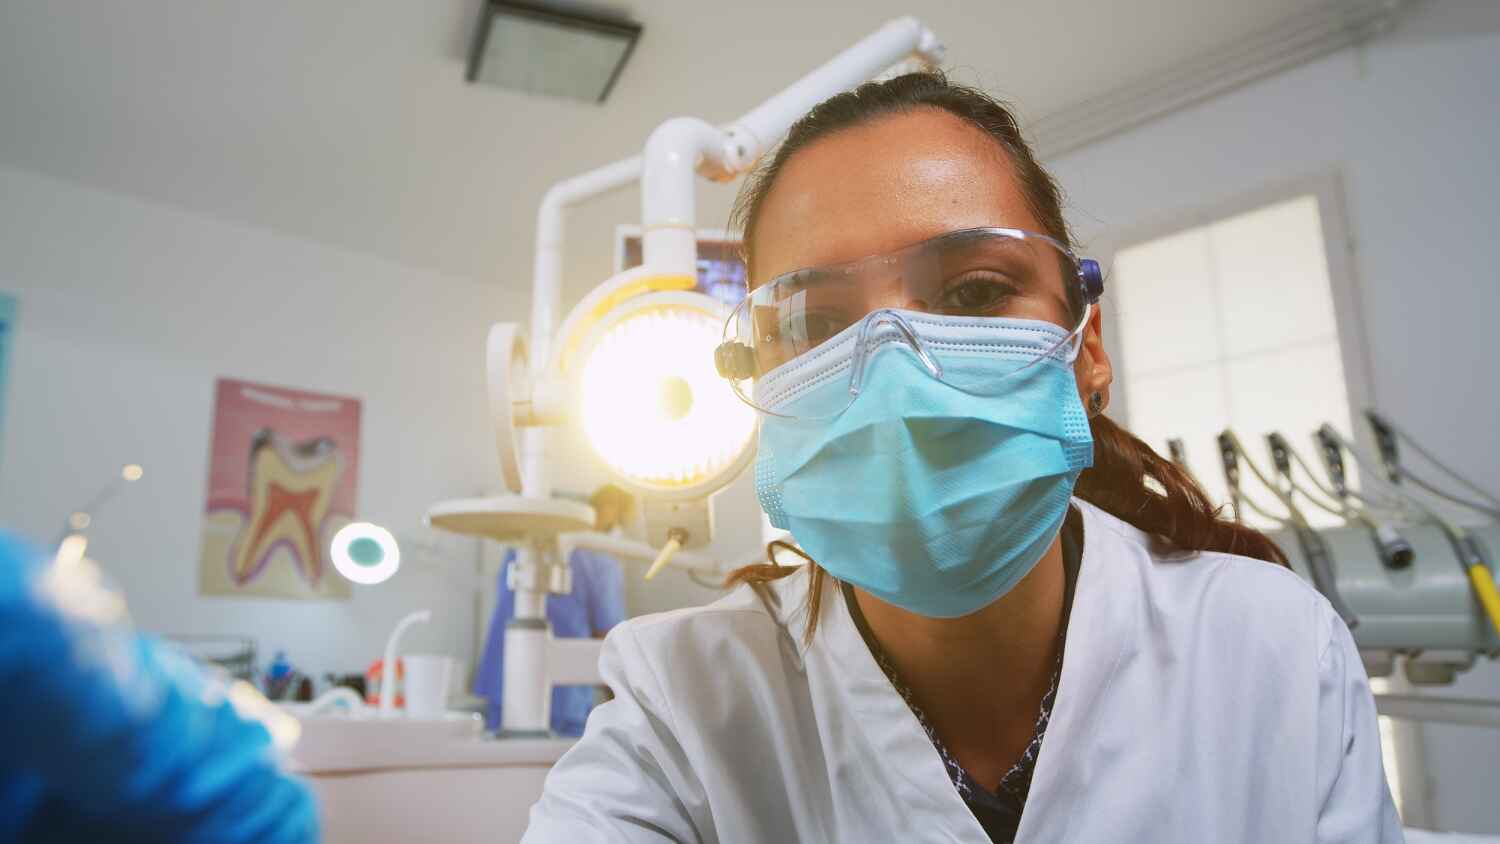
x: 1090, y: 280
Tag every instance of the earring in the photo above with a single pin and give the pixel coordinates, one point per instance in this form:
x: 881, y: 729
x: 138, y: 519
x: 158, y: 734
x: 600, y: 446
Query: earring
x: 1096, y: 403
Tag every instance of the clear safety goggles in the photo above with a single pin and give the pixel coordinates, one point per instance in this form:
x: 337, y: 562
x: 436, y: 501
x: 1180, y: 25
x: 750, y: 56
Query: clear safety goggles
x: 822, y: 323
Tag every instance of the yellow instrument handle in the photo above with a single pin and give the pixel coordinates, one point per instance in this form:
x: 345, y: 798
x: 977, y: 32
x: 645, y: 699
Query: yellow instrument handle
x: 1484, y: 589
x: 675, y: 543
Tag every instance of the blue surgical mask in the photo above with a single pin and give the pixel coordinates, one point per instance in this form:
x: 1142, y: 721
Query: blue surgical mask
x: 947, y: 478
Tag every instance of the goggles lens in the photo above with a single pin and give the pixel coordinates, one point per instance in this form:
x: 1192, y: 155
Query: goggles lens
x: 980, y: 273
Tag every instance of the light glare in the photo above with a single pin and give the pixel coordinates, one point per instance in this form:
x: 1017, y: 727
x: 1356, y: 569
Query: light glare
x: 653, y: 407
x: 70, y: 550
x: 359, y: 567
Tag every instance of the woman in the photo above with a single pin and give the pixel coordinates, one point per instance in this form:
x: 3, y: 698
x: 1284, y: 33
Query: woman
x: 1022, y: 623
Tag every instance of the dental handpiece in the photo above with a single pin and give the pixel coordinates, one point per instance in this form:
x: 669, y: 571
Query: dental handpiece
x: 1470, y: 553
x: 1178, y: 453
x: 1231, y: 475
x: 1319, y: 561
x: 1386, y: 535
x: 1394, y: 550
x: 1386, y: 437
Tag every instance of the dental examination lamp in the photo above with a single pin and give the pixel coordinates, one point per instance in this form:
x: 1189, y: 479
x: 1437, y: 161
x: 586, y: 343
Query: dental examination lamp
x: 633, y: 362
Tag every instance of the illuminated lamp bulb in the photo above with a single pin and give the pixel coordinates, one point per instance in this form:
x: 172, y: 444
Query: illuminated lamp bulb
x: 653, y: 407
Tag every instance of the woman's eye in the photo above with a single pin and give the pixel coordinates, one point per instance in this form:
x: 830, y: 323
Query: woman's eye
x: 975, y: 295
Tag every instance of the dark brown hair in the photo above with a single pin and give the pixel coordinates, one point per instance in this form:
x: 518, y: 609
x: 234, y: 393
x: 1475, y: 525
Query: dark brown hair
x: 1128, y: 479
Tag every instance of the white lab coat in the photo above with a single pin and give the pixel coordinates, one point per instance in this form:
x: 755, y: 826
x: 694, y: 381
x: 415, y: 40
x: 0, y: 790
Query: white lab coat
x: 1206, y: 698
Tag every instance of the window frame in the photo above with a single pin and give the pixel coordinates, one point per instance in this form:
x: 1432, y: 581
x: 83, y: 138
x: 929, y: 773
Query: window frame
x: 1339, y: 248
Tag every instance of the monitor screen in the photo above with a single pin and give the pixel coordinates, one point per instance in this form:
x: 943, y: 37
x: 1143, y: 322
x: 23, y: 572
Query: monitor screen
x: 721, y: 272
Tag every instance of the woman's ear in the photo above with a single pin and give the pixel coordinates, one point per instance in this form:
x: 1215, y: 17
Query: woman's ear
x: 1093, y: 370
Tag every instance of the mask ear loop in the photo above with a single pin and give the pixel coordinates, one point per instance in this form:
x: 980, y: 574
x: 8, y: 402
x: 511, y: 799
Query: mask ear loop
x: 1074, y: 341
x: 865, y: 344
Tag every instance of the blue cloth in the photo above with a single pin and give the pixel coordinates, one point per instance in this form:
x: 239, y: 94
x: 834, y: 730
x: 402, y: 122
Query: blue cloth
x: 108, y: 735
x: 596, y: 604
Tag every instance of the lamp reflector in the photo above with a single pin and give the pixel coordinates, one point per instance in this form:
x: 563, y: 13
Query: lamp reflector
x: 653, y: 407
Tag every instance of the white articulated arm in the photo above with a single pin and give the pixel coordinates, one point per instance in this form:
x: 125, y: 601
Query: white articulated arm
x: 676, y: 153
x: 546, y: 295
x: 683, y: 148
x: 750, y: 136
x: 547, y: 268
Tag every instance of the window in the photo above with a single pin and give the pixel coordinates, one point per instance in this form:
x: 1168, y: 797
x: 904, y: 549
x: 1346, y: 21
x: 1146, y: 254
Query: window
x: 1232, y: 323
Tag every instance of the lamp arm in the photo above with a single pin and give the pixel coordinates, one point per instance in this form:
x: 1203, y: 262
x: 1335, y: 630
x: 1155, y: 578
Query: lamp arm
x: 676, y: 153
x: 750, y: 136
x: 546, y: 273
x: 546, y: 292
x: 683, y: 148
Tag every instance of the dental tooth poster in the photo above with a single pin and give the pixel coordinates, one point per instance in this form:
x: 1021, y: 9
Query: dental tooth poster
x: 282, y: 472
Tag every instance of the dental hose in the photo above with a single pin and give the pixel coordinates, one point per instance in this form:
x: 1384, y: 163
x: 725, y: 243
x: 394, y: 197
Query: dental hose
x: 1386, y: 435
x: 1470, y: 553
x: 1395, y: 551
x: 1314, y: 549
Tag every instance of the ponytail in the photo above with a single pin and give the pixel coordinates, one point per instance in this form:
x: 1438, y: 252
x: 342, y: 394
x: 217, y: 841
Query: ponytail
x: 1133, y: 483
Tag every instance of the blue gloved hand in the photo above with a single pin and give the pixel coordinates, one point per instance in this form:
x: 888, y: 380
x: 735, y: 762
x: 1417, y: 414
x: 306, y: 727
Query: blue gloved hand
x: 108, y: 735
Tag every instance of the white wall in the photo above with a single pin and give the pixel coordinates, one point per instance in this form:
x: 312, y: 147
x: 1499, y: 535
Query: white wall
x: 129, y: 311
x: 1411, y: 124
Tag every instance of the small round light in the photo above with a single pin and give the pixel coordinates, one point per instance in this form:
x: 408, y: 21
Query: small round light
x: 365, y: 553
x: 132, y: 471
x: 80, y: 520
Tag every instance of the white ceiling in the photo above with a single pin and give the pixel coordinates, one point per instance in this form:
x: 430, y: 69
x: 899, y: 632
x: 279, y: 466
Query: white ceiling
x: 350, y: 123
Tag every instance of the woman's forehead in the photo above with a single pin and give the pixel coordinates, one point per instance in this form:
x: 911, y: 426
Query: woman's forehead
x: 881, y: 186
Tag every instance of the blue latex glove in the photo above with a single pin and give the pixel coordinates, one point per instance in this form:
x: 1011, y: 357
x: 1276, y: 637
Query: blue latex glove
x: 108, y: 735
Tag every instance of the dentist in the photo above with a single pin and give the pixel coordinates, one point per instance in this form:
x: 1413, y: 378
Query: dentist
x: 1017, y: 622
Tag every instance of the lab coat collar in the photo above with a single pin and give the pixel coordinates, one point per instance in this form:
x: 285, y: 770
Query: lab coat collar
x: 1102, y: 602
x: 1105, y: 598
x: 859, y: 686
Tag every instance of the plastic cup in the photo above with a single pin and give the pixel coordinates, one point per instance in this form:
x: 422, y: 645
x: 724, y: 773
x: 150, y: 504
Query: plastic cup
x: 426, y: 680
